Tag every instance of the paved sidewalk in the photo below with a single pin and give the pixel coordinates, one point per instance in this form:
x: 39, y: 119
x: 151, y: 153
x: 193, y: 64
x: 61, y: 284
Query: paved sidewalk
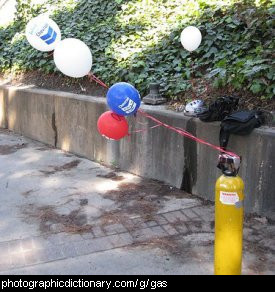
x: 61, y: 214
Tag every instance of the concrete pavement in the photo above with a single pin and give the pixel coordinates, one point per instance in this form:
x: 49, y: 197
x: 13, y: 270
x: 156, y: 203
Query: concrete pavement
x: 63, y: 214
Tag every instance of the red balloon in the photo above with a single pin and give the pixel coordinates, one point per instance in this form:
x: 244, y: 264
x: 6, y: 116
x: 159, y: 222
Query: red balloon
x: 112, y: 126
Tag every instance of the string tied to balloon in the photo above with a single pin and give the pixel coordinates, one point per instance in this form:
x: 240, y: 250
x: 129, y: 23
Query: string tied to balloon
x: 92, y: 77
x: 186, y: 134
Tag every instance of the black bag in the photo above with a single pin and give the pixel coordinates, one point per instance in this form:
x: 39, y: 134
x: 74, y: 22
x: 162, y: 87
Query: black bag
x: 219, y: 109
x: 240, y: 123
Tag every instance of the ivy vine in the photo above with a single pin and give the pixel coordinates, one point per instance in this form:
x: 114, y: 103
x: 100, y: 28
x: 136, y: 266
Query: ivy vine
x: 138, y: 41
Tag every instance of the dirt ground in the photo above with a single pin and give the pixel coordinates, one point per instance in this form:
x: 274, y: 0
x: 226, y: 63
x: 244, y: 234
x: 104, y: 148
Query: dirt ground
x: 55, y: 82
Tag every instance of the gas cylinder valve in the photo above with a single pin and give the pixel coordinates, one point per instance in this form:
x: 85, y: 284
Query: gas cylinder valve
x: 228, y: 164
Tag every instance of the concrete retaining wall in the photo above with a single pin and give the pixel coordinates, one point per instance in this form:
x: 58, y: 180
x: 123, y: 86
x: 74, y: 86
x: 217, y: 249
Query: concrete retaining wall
x: 69, y: 122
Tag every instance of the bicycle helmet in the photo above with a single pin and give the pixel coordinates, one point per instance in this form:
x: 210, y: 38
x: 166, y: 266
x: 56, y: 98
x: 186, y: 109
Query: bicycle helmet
x: 194, y: 108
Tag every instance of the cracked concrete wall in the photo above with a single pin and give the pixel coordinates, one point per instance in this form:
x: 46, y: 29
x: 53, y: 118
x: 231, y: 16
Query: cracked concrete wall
x: 29, y: 112
x: 76, y: 122
x: 69, y: 122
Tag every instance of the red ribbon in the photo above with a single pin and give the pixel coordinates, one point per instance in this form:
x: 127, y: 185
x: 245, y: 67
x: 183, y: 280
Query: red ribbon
x: 92, y: 77
x: 186, y: 134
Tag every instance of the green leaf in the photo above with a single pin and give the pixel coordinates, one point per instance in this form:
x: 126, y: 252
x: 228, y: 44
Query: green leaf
x: 256, y: 87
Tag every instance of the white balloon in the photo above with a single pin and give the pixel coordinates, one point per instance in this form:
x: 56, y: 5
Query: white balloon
x: 43, y: 33
x: 73, y: 57
x: 190, y: 38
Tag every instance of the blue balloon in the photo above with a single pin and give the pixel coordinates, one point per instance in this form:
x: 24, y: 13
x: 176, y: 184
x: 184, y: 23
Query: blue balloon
x: 123, y: 99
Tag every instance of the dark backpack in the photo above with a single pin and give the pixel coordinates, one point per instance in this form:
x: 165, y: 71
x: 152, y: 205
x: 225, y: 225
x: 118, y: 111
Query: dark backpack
x: 240, y: 123
x: 219, y: 109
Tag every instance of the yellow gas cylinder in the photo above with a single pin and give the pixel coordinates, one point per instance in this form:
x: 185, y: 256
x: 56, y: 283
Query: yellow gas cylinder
x: 229, y: 214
